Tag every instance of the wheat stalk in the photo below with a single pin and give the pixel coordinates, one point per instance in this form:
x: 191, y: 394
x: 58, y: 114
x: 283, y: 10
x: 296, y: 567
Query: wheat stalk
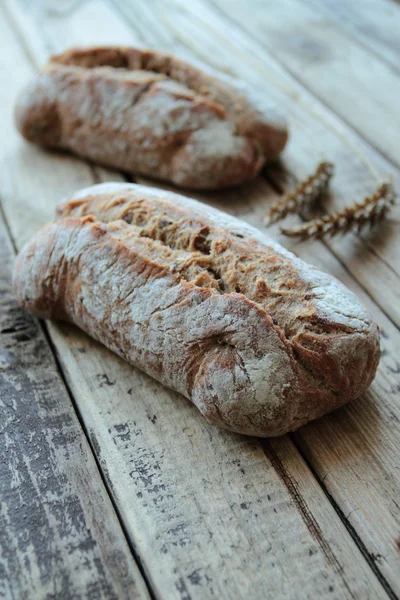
x: 305, y: 194
x: 369, y: 212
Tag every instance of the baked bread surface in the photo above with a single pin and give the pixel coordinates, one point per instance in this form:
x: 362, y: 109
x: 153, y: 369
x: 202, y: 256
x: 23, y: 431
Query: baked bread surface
x: 257, y: 339
x: 150, y: 112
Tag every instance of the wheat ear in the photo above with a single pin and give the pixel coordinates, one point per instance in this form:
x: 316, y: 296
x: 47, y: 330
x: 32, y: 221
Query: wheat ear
x: 305, y: 194
x: 367, y: 213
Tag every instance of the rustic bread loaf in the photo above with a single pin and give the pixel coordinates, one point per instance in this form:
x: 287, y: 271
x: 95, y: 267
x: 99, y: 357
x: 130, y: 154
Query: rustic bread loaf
x: 151, y: 113
x: 260, y: 341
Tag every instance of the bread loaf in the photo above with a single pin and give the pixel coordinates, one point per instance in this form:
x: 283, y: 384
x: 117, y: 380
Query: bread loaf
x: 257, y: 339
x: 151, y: 113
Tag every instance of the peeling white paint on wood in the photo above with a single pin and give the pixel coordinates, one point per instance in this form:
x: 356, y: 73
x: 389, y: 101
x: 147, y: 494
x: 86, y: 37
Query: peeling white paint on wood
x: 59, y: 534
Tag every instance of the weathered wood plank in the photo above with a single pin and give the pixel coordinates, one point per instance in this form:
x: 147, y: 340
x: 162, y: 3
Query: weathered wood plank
x: 211, y: 514
x: 354, y: 451
x: 344, y: 74
x: 59, y: 534
x: 372, y: 498
x: 379, y: 528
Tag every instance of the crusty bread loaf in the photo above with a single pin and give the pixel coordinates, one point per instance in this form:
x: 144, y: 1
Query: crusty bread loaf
x: 260, y: 341
x: 152, y: 113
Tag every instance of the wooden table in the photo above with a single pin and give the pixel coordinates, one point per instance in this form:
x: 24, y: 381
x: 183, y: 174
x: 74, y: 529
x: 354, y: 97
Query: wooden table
x: 111, y: 485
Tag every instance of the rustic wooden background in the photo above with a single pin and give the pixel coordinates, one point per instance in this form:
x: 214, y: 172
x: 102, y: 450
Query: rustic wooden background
x: 111, y: 485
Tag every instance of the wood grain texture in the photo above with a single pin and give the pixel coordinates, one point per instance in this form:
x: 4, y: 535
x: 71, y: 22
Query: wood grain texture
x: 354, y: 451
x: 211, y: 514
x: 374, y: 23
x: 59, y: 535
x: 379, y: 533
x: 376, y: 521
x: 348, y: 77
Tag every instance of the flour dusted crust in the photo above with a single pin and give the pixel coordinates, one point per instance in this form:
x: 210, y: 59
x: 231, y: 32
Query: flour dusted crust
x: 257, y: 339
x: 152, y: 113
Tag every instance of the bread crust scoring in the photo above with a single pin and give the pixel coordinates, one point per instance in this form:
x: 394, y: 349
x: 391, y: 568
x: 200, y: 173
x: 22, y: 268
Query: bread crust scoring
x: 260, y: 341
x: 152, y: 113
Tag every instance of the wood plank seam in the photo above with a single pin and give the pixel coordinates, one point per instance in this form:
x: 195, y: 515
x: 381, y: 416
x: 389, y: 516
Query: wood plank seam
x: 299, y: 501
x: 356, y: 538
x: 310, y: 521
x: 106, y: 480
